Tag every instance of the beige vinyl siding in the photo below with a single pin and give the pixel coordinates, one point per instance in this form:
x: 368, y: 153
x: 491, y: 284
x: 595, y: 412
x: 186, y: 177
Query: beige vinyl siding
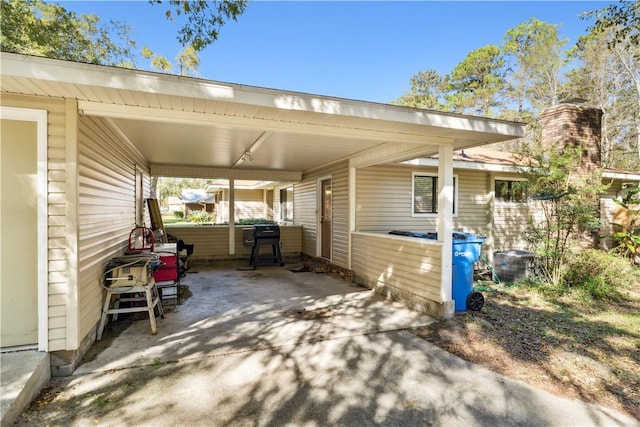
x: 610, y: 212
x: 340, y: 226
x: 58, y: 234
x: 384, y: 202
x: 305, y: 207
x: 211, y: 243
x: 106, y: 209
x: 509, y: 225
x: 248, y: 204
x: 407, y: 264
x: 509, y: 219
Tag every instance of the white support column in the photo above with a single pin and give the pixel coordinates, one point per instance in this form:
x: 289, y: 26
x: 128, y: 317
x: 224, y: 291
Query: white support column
x: 232, y: 217
x: 352, y: 210
x: 445, y: 224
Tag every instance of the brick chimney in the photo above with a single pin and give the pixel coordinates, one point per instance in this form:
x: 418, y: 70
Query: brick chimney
x: 573, y: 125
x: 569, y: 124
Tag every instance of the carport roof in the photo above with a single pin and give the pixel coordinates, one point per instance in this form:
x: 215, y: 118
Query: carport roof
x: 186, y: 126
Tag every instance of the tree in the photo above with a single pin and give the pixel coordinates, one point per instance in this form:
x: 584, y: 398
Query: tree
x: 608, y: 76
x: 476, y: 82
x: 427, y: 91
x: 534, y: 56
x: 565, y: 201
x: 204, y: 19
x: 33, y: 27
x: 624, y: 17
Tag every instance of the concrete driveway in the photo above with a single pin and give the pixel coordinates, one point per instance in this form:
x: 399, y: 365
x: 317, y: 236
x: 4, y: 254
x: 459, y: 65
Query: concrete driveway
x: 270, y: 347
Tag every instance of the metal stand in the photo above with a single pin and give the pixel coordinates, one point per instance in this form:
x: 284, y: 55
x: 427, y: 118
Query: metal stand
x: 255, y: 252
x: 151, y: 299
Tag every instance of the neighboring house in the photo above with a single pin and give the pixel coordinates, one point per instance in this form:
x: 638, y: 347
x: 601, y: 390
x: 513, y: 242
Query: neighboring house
x: 81, y: 141
x: 175, y: 204
x: 252, y: 199
x: 197, y: 200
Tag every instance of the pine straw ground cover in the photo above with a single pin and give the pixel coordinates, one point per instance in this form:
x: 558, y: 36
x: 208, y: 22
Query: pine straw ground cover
x: 569, y: 345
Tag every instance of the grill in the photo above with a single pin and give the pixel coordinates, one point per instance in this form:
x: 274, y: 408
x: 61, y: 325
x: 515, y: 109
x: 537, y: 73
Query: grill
x: 263, y: 235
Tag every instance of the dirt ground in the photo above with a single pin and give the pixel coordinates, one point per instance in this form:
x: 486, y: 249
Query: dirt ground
x: 578, y: 350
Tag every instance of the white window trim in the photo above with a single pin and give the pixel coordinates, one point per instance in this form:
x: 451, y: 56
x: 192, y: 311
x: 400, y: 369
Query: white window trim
x: 281, y: 220
x: 434, y: 214
x: 508, y: 178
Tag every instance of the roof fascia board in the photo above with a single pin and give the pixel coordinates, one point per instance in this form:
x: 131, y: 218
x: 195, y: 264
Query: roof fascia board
x: 390, y: 153
x: 99, y: 109
x: 621, y: 175
x: 460, y: 164
x: 183, y: 171
x: 144, y: 81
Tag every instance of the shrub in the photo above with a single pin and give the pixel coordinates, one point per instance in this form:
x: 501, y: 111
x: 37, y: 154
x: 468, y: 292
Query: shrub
x: 600, y: 274
x: 199, y: 217
x: 178, y: 214
x: 251, y: 221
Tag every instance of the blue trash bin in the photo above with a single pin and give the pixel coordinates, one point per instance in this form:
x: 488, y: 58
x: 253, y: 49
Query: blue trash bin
x: 466, y: 251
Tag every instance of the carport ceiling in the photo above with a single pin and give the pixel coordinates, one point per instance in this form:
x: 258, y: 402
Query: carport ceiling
x: 224, y: 147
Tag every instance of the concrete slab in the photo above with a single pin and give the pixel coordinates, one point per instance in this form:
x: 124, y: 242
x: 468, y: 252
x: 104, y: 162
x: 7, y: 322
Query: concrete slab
x: 240, y: 309
x: 380, y: 379
x: 274, y: 348
x: 22, y: 376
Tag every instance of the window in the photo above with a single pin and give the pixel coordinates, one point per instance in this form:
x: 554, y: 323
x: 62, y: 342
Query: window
x: 286, y: 204
x: 511, y: 191
x: 425, y: 194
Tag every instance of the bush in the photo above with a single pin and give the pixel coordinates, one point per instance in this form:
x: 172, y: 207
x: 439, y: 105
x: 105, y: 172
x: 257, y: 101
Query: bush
x: 600, y: 274
x: 251, y: 221
x: 199, y: 217
x: 178, y: 214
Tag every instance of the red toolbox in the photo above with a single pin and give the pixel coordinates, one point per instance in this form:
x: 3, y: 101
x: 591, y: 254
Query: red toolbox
x: 168, y: 268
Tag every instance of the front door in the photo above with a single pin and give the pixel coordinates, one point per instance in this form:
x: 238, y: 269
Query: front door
x: 325, y: 219
x: 19, y: 234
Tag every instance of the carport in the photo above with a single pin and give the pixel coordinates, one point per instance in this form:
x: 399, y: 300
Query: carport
x: 108, y: 130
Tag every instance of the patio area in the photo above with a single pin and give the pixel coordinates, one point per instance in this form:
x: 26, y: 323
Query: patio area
x: 271, y: 347
x: 229, y: 309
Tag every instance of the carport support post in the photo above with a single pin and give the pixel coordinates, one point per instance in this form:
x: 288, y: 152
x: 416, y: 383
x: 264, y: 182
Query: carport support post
x: 445, y: 225
x: 232, y: 218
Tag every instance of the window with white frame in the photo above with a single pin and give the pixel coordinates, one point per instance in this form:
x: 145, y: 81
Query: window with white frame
x: 425, y: 194
x: 286, y: 204
x: 510, y: 190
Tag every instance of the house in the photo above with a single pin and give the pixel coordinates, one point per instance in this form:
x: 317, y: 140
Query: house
x: 81, y: 141
x: 197, y: 200
x: 490, y: 197
x: 252, y: 199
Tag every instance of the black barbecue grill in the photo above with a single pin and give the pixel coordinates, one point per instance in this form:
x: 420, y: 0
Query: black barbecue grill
x: 263, y: 235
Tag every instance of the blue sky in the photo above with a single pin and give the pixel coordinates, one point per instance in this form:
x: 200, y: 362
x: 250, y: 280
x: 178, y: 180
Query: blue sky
x: 365, y: 50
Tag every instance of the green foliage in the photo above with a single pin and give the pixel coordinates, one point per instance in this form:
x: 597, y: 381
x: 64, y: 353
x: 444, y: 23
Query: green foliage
x: 204, y: 19
x: 627, y: 236
x: 624, y: 17
x: 251, y: 221
x: 599, y: 274
x: 427, y: 91
x: 567, y: 197
x: 178, y: 214
x: 533, y: 51
x: 476, y: 81
x: 33, y: 27
x: 199, y: 217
